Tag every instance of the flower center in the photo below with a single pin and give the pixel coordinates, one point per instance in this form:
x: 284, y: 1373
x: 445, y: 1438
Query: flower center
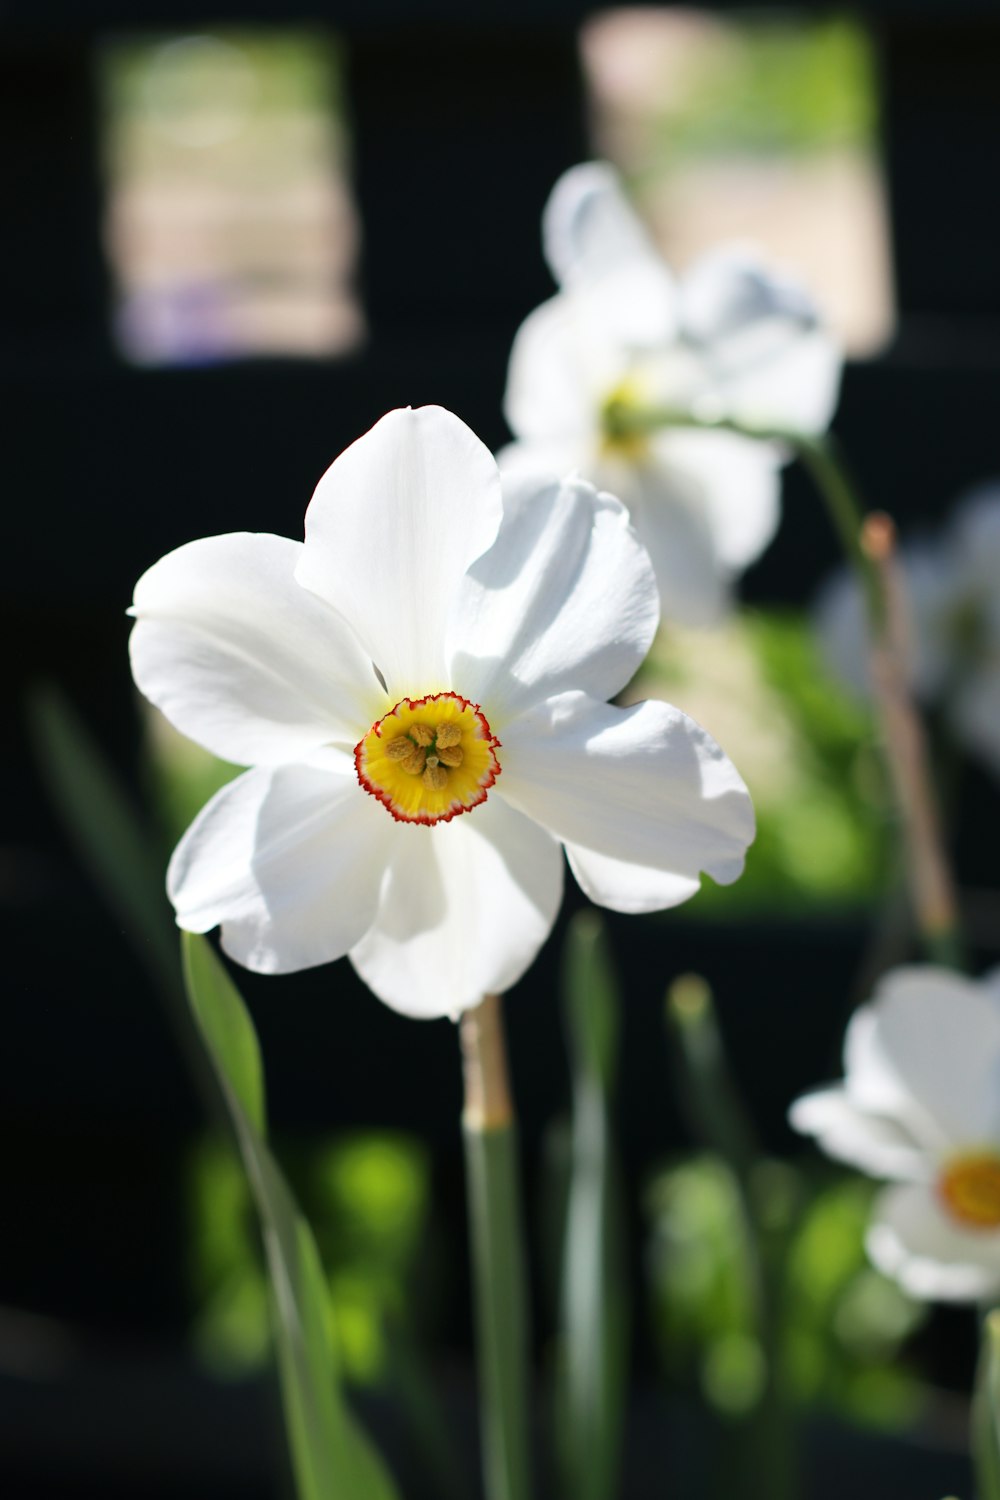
x: 969, y: 1188
x: 429, y: 759
x: 622, y: 435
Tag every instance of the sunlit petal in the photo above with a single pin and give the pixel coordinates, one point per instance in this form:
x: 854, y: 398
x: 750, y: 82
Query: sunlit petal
x: 241, y: 658
x: 393, y: 525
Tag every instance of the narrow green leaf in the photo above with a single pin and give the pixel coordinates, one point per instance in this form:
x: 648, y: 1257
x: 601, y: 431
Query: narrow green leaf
x: 594, y: 1336
x: 106, y: 830
x: 985, y: 1419
x: 226, y: 1028
x: 331, y: 1457
x: 121, y: 855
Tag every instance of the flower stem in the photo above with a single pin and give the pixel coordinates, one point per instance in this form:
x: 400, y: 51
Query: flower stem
x: 868, y: 541
x: 717, y: 1117
x: 931, y: 883
x: 496, y: 1243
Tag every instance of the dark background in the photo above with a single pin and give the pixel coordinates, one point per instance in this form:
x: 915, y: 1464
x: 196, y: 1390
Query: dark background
x: 462, y: 117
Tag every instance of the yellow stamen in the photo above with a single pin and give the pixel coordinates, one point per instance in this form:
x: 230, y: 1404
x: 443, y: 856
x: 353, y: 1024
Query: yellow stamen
x: 429, y: 758
x: 969, y: 1188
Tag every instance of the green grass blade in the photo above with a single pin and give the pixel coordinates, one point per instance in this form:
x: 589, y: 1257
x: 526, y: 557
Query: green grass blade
x: 331, y: 1457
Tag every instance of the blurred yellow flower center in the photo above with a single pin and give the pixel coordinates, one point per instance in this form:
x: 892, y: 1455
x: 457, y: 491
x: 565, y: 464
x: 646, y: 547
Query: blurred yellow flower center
x: 621, y: 435
x: 429, y: 759
x: 969, y: 1188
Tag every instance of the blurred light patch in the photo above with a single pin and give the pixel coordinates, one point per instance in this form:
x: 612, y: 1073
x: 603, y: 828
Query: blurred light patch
x: 762, y: 130
x: 229, y: 225
x: 367, y: 1198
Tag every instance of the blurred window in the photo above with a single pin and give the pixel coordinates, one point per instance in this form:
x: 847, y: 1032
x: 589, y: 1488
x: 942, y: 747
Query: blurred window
x: 230, y: 227
x: 762, y: 130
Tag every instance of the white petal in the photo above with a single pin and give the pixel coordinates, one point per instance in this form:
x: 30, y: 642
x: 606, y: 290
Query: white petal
x: 560, y: 370
x: 564, y: 598
x: 913, y: 1240
x: 767, y: 358
x: 872, y: 1142
x: 975, y: 537
x: 642, y: 788
x: 589, y: 228
x: 737, y: 485
x: 974, y: 711
x: 393, y: 525
x: 926, y: 1052
x: 288, y: 860
x: 705, y: 504
x: 464, y: 910
x: 674, y: 528
x: 244, y: 660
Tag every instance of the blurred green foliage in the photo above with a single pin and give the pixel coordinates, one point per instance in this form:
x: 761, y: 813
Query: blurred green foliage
x: 773, y: 85
x: 367, y: 1199
x: 842, y: 1325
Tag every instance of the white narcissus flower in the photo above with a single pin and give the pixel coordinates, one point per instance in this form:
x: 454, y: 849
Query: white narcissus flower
x: 953, y: 622
x: 920, y: 1105
x: 727, y: 340
x: 421, y: 689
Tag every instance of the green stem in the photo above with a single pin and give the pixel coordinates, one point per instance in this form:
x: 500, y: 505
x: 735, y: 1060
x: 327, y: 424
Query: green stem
x: 716, y: 1116
x: 497, y: 1248
x: 868, y: 541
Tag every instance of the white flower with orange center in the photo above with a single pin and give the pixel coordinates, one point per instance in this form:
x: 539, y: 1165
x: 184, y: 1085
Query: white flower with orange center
x: 420, y: 688
x: 728, y: 339
x: 920, y: 1104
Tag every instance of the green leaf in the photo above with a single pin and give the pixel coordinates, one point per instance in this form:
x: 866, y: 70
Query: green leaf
x: 594, y: 1333
x: 226, y: 1028
x: 985, y: 1420
x: 107, y: 831
x: 331, y: 1457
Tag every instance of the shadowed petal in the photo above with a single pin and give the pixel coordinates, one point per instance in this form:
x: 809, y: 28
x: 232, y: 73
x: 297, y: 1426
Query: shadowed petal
x: 464, y: 910
x: 913, y: 1240
x: 564, y: 598
x: 289, y: 861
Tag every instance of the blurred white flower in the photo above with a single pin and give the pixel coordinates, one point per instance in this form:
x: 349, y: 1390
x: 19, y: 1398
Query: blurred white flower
x: 436, y: 647
x: 920, y: 1105
x: 953, y: 622
x: 727, y: 340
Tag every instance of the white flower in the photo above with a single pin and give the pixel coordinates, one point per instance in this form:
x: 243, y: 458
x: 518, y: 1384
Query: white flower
x: 920, y: 1105
x: 953, y: 622
x: 728, y: 339
x: 435, y: 648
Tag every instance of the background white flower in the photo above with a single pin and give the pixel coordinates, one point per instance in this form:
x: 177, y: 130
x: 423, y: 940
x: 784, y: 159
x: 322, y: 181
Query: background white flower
x: 920, y: 1105
x: 728, y: 339
x: 420, y: 688
x: 953, y: 618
